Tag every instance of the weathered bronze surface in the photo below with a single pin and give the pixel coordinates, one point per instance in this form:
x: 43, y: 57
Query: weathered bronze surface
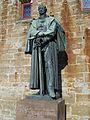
x: 46, y: 42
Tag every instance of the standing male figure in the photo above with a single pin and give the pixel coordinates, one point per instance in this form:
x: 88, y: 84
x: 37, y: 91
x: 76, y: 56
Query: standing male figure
x: 45, y: 40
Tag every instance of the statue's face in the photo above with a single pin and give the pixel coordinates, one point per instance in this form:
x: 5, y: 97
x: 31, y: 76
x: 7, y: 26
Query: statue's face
x: 42, y: 9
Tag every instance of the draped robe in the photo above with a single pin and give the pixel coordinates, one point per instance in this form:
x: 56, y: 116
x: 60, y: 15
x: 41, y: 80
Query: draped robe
x: 54, y: 43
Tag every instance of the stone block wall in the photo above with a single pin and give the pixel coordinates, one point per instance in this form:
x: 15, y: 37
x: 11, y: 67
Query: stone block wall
x: 15, y: 65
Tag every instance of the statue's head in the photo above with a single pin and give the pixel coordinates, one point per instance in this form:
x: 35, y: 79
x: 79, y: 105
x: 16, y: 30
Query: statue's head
x: 42, y: 9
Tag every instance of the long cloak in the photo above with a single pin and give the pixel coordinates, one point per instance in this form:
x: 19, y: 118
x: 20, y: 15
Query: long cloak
x: 55, y: 48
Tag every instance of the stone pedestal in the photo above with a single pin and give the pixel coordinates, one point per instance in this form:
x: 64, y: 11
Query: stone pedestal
x: 30, y: 109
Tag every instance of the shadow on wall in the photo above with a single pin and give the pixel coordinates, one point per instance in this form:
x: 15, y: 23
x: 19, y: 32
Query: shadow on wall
x: 68, y: 24
x: 87, y: 48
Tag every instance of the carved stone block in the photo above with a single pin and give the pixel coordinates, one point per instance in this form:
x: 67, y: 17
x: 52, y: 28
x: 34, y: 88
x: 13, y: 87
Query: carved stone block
x: 30, y: 109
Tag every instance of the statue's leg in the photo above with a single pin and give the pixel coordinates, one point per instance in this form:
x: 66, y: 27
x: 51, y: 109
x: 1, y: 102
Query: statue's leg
x: 51, y: 79
x: 49, y: 75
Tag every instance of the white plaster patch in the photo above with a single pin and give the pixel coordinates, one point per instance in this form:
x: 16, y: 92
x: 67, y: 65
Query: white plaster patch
x: 12, y: 2
x: 82, y: 84
x: 76, y: 51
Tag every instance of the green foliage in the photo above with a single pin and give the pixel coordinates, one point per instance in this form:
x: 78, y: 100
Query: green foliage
x: 21, y: 0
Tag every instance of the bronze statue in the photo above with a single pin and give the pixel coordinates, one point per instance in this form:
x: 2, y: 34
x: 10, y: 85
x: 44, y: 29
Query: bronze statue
x: 45, y: 40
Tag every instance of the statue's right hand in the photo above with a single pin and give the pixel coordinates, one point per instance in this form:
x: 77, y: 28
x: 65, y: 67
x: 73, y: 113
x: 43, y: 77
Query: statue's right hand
x: 38, y: 41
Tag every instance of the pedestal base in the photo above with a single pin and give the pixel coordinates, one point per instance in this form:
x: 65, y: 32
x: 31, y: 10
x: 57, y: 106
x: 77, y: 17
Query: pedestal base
x: 40, y: 109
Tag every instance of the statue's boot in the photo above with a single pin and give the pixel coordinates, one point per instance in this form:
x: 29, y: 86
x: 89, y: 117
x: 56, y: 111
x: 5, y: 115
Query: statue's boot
x: 51, y: 92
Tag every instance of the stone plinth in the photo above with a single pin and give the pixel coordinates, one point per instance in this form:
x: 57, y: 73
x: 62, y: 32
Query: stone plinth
x: 30, y: 109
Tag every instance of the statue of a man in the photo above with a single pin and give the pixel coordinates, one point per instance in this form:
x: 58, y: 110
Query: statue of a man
x: 45, y: 39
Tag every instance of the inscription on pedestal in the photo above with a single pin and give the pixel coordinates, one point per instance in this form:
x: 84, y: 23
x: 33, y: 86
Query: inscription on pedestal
x: 40, y: 110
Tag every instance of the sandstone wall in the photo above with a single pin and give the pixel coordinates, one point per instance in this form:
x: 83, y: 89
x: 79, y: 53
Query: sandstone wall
x: 15, y: 65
